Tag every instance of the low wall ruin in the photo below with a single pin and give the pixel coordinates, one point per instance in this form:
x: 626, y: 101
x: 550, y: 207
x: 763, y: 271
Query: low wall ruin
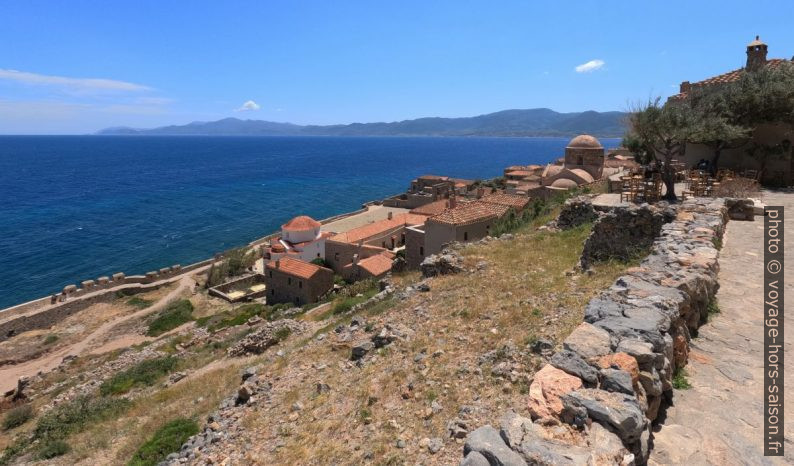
x: 595, y: 399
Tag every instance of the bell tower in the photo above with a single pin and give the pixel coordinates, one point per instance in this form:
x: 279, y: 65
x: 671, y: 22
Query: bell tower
x: 756, y: 55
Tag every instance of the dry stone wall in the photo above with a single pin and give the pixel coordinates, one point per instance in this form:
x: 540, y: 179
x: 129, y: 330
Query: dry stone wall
x: 615, y: 370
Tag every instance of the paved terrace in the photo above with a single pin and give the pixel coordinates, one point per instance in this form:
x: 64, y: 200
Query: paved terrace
x: 719, y: 420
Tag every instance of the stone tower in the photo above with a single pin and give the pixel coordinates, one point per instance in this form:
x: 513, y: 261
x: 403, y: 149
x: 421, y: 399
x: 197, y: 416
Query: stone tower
x: 756, y: 55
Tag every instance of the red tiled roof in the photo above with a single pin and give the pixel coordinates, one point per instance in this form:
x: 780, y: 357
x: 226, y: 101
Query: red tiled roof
x: 295, y: 267
x: 301, y: 223
x: 376, y: 265
x: 729, y: 77
x: 472, y: 212
x: 520, y: 173
x: 365, y: 232
x: 510, y: 200
x: 433, y: 208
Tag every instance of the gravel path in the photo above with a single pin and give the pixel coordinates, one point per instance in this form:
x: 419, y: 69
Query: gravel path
x: 719, y: 420
x: 10, y: 374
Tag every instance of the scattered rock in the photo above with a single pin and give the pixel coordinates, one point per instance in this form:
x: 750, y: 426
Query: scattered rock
x: 361, y: 349
x: 271, y: 333
x: 620, y: 411
x: 617, y: 380
x: 442, y: 264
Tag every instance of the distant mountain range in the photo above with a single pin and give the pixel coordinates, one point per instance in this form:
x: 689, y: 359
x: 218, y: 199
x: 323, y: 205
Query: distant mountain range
x: 531, y: 122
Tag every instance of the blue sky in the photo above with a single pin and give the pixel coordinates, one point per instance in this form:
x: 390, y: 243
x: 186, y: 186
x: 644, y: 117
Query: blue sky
x: 79, y: 66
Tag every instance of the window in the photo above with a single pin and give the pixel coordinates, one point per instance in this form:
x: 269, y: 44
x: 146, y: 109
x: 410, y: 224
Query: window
x: 289, y: 280
x: 271, y: 274
x: 421, y: 251
x: 336, y: 256
x: 272, y: 292
x: 465, y: 236
x: 300, y: 284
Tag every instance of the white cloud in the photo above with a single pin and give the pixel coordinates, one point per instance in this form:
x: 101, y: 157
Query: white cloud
x: 592, y: 65
x: 248, y: 106
x: 76, y: 84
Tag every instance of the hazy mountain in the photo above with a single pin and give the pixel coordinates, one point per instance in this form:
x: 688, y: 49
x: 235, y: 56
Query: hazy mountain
x: 532, y: 122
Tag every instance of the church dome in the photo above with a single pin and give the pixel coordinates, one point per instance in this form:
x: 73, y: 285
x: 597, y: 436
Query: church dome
x: 564, y: 183
x: 301, y: 223
x: 585, y: 141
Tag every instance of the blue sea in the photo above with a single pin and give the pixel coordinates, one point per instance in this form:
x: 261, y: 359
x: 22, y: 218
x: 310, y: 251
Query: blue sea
x: 77, y: 207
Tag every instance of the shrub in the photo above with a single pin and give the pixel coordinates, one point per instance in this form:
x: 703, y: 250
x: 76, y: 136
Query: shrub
x: 53, y: 448
x: 50, y: 339
x: 166, y: 440
x: 17, y: 416
x: 679, y: 379
x: 282, y: 333
x: 145, y: 373
x: 140, y: 303
x: 76, y: 414
x: 176, y: 314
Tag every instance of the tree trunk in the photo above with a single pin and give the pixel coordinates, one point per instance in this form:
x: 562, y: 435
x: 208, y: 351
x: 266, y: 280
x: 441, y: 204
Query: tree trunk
x: 668, y: 177
x: 716, y: 159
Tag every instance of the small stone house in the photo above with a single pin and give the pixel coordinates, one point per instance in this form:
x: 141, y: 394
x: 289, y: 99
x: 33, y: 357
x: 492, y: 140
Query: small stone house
x: 294, y: 281
x: 376, y: 266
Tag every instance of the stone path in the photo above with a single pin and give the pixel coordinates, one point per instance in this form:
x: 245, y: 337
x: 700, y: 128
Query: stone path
x: 719, y: 420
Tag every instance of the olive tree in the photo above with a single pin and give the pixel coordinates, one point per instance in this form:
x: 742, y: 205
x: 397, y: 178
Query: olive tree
x: 660, y: 132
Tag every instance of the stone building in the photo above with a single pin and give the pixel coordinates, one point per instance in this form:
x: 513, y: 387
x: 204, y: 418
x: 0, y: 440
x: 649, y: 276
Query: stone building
x: 779, y: 169
x: 290, y: 280
x: 378, y: 238
x: 376, y: 266
x: 430, y: 188
x: 466, y: 221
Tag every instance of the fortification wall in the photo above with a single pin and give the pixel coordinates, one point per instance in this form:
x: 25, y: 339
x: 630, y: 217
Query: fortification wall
x: 614, y: 371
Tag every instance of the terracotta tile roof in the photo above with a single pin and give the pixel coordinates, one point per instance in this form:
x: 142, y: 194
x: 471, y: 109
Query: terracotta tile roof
x: 295, y: 267
x: 473, y: 212
x: 520, y: 173
x: 433, y: 208
x: 363, y: 233
x: 510, y: 200
x: 434, y: 177
x: 301, y: 223
x: 729, y: 77
x: 376, y: 265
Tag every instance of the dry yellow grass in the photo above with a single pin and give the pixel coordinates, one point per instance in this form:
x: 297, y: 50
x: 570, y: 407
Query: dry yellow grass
x: 523, y: 293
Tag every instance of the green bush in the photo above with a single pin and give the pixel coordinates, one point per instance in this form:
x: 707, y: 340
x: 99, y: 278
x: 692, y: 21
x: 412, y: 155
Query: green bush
x: 76, y: 414
x: 145, y: 373
x: 53, y: 448
x: 140, y: 303
x: 17, y: 416
x: 176, y: 314
x: 50, y: 339
x: 168, y: 439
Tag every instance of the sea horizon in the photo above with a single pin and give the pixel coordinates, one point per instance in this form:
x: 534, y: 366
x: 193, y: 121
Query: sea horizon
x: 82, y: 206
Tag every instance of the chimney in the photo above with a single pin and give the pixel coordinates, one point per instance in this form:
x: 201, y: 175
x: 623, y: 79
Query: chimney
x: 355, y: 259
x: 390, y: 215
x: 756, y: 55
x: 278, y: 264
x: 480, y: 192
x: 453, y: 202
x: 685, y: 87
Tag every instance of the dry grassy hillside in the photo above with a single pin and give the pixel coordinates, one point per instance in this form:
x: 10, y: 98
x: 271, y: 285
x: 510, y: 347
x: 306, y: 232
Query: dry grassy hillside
x: 462, y: 357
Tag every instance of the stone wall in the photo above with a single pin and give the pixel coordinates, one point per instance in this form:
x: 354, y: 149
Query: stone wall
x: 615, y: 370
x: 624, y: 232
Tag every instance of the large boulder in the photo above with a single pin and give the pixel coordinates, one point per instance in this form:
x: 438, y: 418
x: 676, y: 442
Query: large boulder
x: 446, y: 263
x: 547, y: 386
x: 573, y: 364
x: 619, y: 412
x: 588, y: 341
x: 487, y: 442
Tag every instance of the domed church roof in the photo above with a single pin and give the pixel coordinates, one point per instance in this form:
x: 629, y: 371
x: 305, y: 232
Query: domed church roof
x: 585, y: 141
x: 301, y: 223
